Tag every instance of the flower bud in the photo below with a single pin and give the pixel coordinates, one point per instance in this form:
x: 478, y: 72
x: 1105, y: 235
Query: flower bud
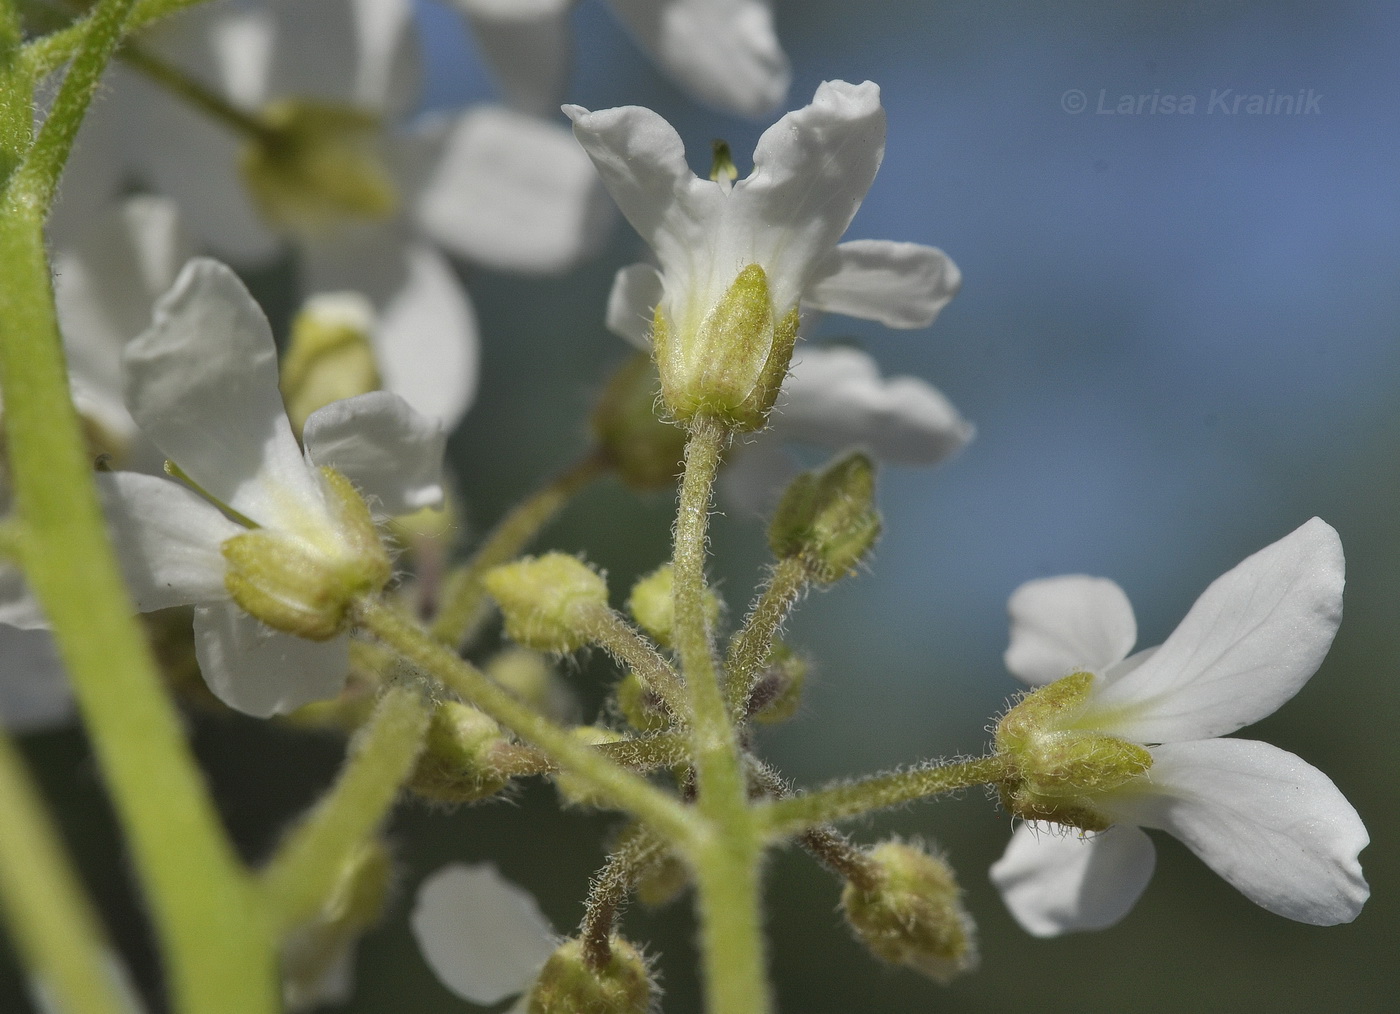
x: 1057, y: 772
x: 546, y: 600
x: 567, y: 985
x: 306, y: 585
x: 457, y: 765
x: 779, y: 690
x: 329, y: 356
x: 914, y: 916
x: 652, y: 604
x: 640, y: 705
x: 828, y: 518
x: 646, y: 451
x: 663, y: 881
x: 316, y: 165
x: 730, y: 363
x: 530, y: 677
x: 574, y: 791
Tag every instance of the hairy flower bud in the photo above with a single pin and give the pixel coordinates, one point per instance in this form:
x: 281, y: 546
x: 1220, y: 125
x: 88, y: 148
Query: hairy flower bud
x: 456, y: 765
x: 306, y: 584
x: 652, y: 604
x: 528, y: 675
x: 640, y: 705
x: 828, y: 518
x: 779, y: 690
x: 645, y: 450
x: 546, y: 600
x: 567, y: 985
x: 329, y: 356
x: 914, y: 917
x: 574, y: 791
x: 1057, y: 770
x: 731, y: 363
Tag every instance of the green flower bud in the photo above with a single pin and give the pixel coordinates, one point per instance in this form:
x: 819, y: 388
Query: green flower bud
x: 530, y: 677
x: 1056, y: 771
x: 329, y: 355
x: 779, y: 690
x: 574, y: 791
x: 457, y: 763
x: 317, y: 165
x: 653, y: 607
x: 306, y: 585
x: 640, y: 706
x: 663, y: 881
x: 566, y: 985
x: 646, y: 451
x: 915, y: 916
x: 731, y: 365
x: 546, y: 600
x: 828, y: 518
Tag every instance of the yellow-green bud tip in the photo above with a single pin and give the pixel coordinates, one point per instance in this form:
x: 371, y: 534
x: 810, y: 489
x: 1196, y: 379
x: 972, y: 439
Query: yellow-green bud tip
x: 828, y: 518
x: 546, y: 600
x: 652, y: 604
x: 329, y: 356
x: 722, y: 167
x: 456, y: 765
x: 567, y: 985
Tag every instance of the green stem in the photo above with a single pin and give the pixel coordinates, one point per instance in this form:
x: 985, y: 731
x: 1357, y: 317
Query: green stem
x: 305, y: 870
x: 45, y: 55
x: 203, y: 98
x: 751, y: 646
x: 852, y: 799
x: 49, y: 917
x: 727, y: 884
x: 16, y: 92
x: 608, y: 891
x: 619, y: 786
x: 213, y: 933
x: 464, y: 602
x: 609, y: 629
x: 645, y: 753
x: 823, y: 843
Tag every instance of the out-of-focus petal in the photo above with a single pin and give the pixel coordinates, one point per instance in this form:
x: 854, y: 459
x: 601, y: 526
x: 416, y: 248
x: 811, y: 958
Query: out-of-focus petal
x: 392, y: 454
x: 1249, y: 643
x: 635, y: 292
x: 263, y: 672
x: 756, y: 472
x: 515, y: 193
x: 836, y: 397
x: 389, y: 68
x: 18, y: 606
x: 527, y: 45
x: 483, y: 936
x: 1058, y: 882
x: 316, y: 50
x: 902, y: 285
x: 1073, y: 623
x: 167, y: 539
x: 724, y: 52
x: 34, y: 691
x: 202, y: 384
x: 1272, y: 825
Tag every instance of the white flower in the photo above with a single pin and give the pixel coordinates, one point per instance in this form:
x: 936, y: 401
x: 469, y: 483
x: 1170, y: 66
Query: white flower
x: 1273, y: 826
x: 723, y: 52
x: 202, y: 386
x: 483, y: 936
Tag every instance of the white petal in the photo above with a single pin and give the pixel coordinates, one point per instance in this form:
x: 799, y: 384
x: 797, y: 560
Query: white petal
x: 811, y: 170
x: 18, y: 606
x: 483, y: 936
x: 1249, y: 643
x: 167, y: 539
x: 724, y: 52
x: 316, y: 50
x: 526, y: 43
x: 202, y: 384
x: 392, y: 454
x: 836, y: 397
x: 1055, y: 881
x: 264, y: 672
x: 1073, y: 623
x: 34, y: 692
x: 94, y: 173
x: 635, y: 292
x: 427, y: 340
x: 514, y: 193
x: 902, y: 285
x: 241, y: 42
x: 756, y: 472
x: 389, y: 67
x: 1274, y: 826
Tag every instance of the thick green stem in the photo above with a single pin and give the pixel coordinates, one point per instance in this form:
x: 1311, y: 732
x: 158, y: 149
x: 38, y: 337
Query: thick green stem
x: 49, y: 917
x: 16, y: 93
x: 212, y: 930
x: 728, y: 896
x: 50, y: 52
x: 787, y: 817
x: 306, y: 868
x: 464, y: 602
x: 619, y: 786
x: 751, y: 646
x: 611, y: 631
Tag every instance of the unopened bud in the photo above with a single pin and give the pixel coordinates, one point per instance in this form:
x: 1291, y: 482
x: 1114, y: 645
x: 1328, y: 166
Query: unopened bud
x: 652, y: 604
x: 726, y: 361
x: 306, y: 586
x: 640, y: 705
x: 567, y: 985
x: 645, y: 450
x: 457, y: 764
x: 547, y: 600
x: 828, y: 518
x: 329, y: 356
x: 529, y: 676
x: 914, y: 915
x: 1055, y: 771
x: 663, y: 881
x: 573, y: 790
x: 779, y: 690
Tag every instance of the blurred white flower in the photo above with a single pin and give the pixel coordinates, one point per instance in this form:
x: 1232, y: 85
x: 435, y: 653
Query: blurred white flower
x: 1273, y: 826
x: 723, y: 52
x: 484, y: 937
x: 201, y: 384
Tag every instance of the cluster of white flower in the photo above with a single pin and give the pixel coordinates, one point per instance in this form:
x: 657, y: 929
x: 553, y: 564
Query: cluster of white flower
x: 264, y: 130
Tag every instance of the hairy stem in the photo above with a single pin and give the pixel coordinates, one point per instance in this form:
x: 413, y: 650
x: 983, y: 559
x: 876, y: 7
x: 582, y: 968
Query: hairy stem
x: 609, y: 629
x: 46, y: 54
x: 608, y: 891
x: 823, y: 843
x: 750, y: 647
